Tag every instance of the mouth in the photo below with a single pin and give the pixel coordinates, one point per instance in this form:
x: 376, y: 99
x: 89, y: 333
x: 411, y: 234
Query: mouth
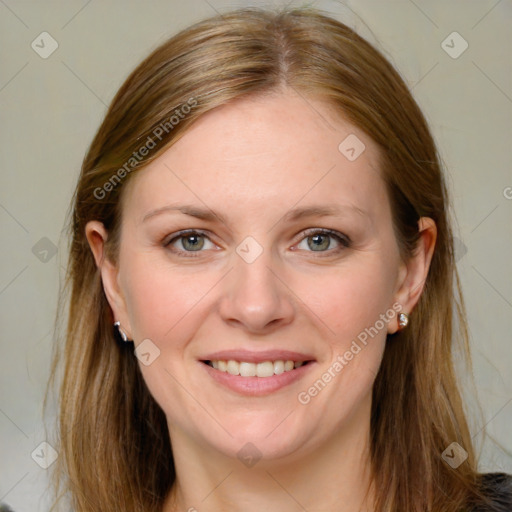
x: 256, y: 373
x: 264, y: 369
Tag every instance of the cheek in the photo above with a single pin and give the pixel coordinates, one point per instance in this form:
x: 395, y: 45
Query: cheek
x: 163, y: 304
x: 356, y: 307
x: 349, y: 300
x: 159, y: 297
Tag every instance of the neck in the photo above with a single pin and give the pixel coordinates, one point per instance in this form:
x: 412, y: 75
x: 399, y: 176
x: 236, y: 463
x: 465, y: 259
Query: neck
x: 333, y: 476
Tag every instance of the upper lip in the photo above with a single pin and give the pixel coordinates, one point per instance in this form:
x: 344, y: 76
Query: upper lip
x: 258, y: 357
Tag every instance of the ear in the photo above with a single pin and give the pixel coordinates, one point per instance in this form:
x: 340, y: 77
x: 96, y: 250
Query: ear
x: 413, y: 273
x: 97, y: 236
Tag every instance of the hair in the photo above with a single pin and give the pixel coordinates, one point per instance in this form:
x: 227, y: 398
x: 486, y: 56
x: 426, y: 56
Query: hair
x: 115, y: 451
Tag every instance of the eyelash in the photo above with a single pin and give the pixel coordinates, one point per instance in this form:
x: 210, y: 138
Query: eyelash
x: 344, y: 240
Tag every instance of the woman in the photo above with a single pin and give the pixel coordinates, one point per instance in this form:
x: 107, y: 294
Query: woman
x: 262, y: 285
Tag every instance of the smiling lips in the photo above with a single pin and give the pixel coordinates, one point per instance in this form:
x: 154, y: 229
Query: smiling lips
x: 249, y: 369
x: 252, y: 374
x: 257, y: 373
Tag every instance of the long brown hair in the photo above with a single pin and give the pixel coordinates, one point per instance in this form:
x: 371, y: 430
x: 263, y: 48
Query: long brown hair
x: 115, y: 452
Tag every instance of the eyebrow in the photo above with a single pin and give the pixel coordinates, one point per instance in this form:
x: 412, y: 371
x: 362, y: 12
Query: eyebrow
x: 293, y: 215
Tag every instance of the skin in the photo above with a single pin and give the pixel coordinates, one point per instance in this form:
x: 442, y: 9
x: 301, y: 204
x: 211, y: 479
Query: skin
x: 252, y: 162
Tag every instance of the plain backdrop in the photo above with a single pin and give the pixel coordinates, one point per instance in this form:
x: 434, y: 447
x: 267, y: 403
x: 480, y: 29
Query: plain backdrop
x: 51, y: 106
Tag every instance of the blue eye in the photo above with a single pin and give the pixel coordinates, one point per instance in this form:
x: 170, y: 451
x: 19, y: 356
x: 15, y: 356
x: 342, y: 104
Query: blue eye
x: 318, y: 240
x: 191, y: 241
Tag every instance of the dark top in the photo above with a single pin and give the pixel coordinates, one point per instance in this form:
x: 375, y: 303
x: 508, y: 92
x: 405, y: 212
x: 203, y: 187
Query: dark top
x: 496, y: 486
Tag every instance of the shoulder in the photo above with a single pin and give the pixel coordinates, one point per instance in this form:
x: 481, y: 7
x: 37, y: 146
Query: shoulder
x: 497, y: 488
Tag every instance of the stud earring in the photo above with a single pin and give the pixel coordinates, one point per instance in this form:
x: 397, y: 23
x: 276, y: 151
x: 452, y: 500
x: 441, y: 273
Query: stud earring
x: 121, y: 332
x: 403, y: 320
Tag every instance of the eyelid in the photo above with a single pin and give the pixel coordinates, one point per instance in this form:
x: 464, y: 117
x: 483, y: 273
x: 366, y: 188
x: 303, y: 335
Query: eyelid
x: 174, y: 236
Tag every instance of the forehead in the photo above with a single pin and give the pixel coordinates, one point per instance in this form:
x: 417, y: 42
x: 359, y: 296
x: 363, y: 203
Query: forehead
x: 265, y: 153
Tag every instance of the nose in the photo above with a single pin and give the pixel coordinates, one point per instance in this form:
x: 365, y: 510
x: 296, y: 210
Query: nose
x: 255, y: 297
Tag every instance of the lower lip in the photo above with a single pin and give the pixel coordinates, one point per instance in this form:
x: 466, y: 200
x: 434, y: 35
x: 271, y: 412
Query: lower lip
x: 257, y: 386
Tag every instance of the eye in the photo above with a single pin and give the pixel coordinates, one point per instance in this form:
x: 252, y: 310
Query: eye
x: 319, y: 240
x: 186, y: 243
x: 190, y: 241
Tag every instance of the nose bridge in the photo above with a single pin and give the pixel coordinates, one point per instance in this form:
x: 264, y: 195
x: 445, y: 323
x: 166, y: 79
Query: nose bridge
x: 255, y: 296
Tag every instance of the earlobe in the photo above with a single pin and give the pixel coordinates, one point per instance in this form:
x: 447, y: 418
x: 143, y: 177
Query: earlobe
x: 414, y: 272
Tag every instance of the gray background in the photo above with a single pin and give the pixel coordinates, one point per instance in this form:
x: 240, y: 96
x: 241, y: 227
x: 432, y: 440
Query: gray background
x: 51, y: 108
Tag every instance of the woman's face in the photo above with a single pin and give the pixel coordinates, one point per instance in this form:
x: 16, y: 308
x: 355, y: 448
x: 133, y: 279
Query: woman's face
x: 255, y: 281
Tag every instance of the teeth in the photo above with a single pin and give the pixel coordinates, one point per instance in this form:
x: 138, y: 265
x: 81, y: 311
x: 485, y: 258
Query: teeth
x: 233, y: 368
x: 265, y: 369
x: 278, y: 367
x: 247, y: 369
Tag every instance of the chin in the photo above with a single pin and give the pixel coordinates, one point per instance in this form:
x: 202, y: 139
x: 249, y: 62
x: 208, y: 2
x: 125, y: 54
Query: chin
x: 272, y: 436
